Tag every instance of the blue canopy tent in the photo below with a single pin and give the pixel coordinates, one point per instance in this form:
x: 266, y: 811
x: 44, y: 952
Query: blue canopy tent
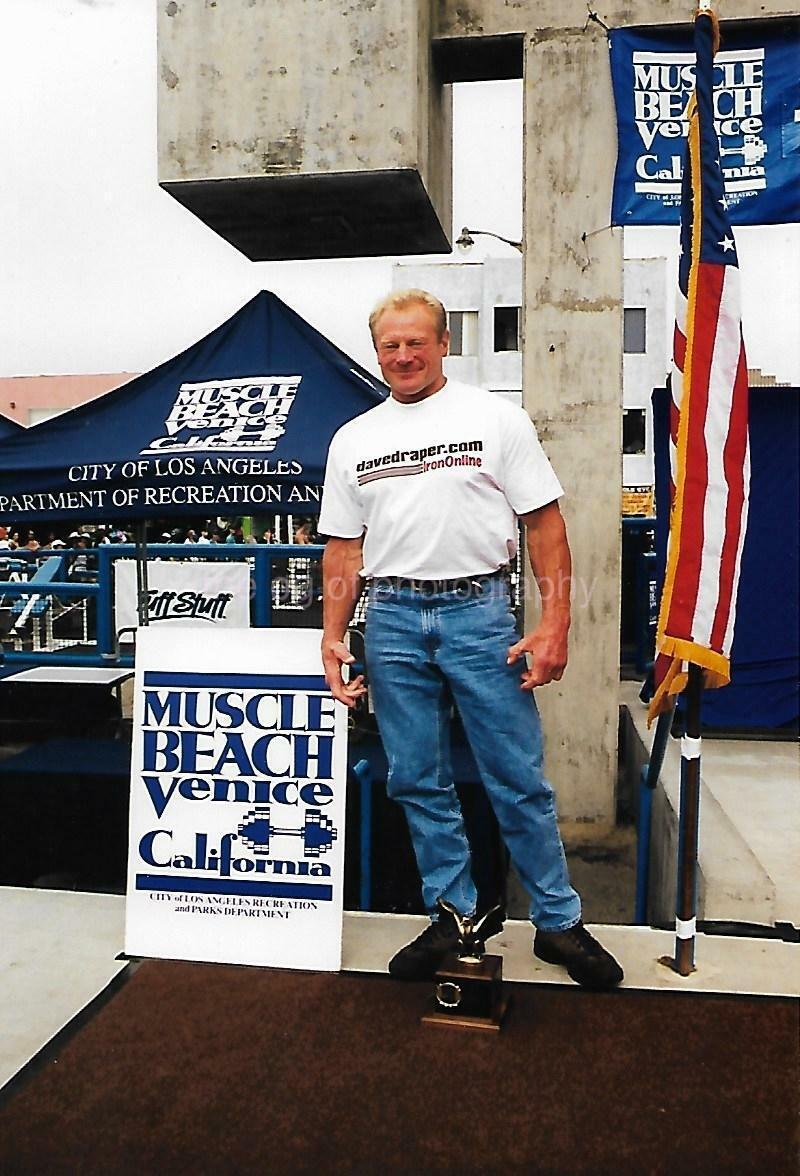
x: 764, y: 692
x: 237, y: 424
x: 9, y: 428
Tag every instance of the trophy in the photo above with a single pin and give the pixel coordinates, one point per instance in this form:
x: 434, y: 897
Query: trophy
x: 468, y: 991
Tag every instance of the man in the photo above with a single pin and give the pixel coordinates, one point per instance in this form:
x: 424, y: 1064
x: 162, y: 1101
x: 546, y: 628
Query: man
x: 422, y: 496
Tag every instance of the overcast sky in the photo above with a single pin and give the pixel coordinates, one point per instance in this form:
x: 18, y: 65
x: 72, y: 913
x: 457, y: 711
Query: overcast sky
x: 102, y: 271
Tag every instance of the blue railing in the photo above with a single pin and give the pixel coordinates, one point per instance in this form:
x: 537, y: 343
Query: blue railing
x: 261, y: 558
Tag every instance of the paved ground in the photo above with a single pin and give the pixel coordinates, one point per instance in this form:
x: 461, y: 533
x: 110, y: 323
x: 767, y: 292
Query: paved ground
x: 59, y: 952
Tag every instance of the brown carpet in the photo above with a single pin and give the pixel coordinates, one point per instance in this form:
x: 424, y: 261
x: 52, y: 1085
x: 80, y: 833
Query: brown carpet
x: 193, y: 1068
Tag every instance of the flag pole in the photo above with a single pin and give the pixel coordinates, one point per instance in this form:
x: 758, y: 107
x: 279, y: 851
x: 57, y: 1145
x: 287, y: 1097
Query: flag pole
x: 688, y: 828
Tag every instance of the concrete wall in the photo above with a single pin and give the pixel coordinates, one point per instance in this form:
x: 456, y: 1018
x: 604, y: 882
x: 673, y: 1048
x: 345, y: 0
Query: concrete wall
x: 340, y: 100
x: 572, y: 382
x: 492, y: 18
x: 241, y: 98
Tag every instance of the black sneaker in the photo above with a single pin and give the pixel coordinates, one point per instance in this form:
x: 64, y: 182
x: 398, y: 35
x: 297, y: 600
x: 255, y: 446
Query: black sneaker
x: 420, y: 959
x: 586, y: 961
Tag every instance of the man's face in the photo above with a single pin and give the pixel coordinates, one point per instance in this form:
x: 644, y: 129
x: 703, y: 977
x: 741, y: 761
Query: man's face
x: 410, y: 353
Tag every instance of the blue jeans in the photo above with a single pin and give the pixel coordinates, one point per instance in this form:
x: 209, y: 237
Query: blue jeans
x: 418, y: 646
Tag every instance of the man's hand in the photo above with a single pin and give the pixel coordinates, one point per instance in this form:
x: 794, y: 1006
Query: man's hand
x: 335, y: 654
x: 547, y: 646
x: 341, y: 588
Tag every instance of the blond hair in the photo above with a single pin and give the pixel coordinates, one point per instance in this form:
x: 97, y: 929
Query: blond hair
x: 401, y: 299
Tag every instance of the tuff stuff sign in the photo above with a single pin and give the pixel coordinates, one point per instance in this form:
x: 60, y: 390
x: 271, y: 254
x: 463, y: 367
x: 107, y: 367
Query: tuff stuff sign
x: 197, y: 593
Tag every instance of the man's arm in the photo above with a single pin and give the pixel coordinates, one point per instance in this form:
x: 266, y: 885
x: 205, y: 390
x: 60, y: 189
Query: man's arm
x: 549, y: 554
x: 341, y: 588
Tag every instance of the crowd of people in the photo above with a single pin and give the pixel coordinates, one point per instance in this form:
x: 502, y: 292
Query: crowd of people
x: 28, y: 540
x: 12, y: 539
x: 296, y: 581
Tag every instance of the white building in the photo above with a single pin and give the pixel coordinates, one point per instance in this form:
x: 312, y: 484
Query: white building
x: 483, y: 300
x: 645, y: 363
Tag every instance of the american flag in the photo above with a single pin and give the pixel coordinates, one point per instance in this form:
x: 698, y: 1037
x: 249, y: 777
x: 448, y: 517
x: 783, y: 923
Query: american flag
x: 709, y: 454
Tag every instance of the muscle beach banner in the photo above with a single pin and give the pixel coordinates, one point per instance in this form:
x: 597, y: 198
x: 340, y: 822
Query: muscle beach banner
x: 198, y: 594
x: 236, y: 850
x: 756, y: 113
x: 237, y: 424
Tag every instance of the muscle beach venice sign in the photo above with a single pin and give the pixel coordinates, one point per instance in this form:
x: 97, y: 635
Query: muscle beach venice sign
x: 236, y: 845
x: 756, y: 116
x: 227, y: 414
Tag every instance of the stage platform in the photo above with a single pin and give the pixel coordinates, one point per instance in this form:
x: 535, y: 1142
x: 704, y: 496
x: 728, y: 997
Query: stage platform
x: 749, y: 845
x: 59, y: 960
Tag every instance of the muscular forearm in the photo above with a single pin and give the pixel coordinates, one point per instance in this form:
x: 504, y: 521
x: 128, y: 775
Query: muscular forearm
x: 341, y: 588
x: 341, y: 585
x: 551, y: 562
x: 547, y: 644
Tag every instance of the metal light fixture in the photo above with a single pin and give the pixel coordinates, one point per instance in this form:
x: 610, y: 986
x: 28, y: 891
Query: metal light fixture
x: 466, y: 239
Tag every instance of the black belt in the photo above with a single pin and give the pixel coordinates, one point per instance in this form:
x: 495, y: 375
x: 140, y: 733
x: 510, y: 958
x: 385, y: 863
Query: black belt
x: 434, y: 587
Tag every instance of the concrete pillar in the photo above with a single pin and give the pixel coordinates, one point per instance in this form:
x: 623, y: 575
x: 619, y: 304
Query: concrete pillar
x: 572, y: 381
x: 303, y: 128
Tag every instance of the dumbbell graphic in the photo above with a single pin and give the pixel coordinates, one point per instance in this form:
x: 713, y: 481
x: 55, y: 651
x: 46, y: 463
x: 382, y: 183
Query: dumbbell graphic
x: 317, y: 834
x: 753, y: 148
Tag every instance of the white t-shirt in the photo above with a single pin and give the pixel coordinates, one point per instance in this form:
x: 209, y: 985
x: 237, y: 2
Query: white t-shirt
x: 435, y: 487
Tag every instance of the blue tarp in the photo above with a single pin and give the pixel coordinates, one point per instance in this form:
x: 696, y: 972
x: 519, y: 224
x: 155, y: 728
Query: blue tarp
x: 9, y: 428
x: 764, y: 690
x: 237, y: 424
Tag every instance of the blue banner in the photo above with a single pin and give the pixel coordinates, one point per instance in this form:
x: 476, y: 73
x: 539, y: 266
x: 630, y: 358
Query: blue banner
x: 756, y: 111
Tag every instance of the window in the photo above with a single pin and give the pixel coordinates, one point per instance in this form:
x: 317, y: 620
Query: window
x: 634, y: 330
x: 463, y: 325
x: 633, y: 430
x: 506, y: 328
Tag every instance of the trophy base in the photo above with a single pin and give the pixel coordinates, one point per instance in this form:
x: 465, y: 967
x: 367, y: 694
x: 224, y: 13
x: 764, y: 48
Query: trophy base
x: 469, y: 995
